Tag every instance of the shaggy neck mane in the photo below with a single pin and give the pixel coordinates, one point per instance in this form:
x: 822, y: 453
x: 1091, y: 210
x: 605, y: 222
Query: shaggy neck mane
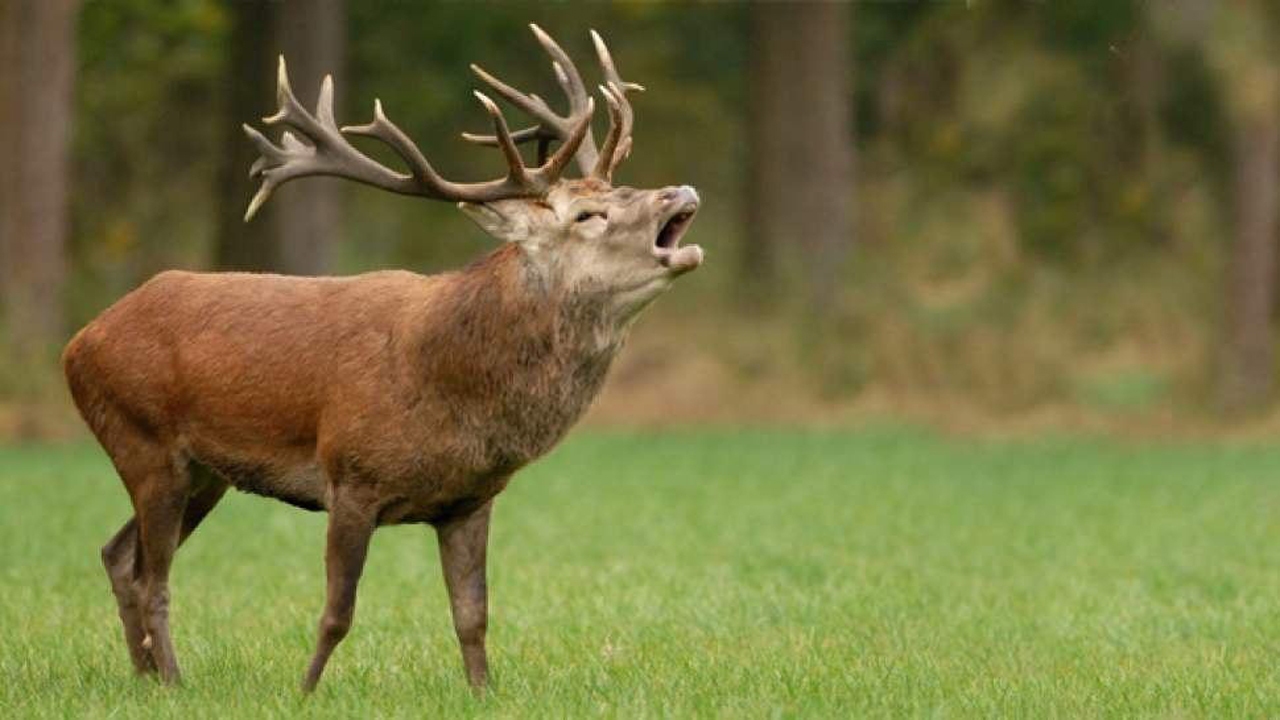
x: 500, y: 319
x: 513, y: 356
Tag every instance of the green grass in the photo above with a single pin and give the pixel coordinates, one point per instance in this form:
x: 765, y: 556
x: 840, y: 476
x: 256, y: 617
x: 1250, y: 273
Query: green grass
x: 871, y: 573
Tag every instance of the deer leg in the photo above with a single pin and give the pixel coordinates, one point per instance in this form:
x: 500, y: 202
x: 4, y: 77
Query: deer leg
x: 463, y: 544
x: 345, y: 552
x: 138, y: 557
x: 122, y: 560
x: 160, y: 514
x: 120, y: 557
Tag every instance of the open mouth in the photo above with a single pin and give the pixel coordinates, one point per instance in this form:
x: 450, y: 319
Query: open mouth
x: 673, y: 229
x: 666, y: 246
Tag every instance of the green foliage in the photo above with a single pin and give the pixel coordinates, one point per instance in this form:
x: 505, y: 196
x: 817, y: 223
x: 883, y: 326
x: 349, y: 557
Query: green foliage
x: 1040, y: 102
x: 1086, y: 29
x: 880, y: 573
x: 146, y: 118
x: 1194, y: 109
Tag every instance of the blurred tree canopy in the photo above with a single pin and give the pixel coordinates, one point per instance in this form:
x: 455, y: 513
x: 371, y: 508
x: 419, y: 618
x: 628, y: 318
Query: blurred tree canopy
x: 1047, y: 202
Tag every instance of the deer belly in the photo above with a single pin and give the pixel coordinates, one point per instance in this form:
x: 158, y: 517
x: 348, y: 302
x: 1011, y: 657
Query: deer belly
x: 300, y: 484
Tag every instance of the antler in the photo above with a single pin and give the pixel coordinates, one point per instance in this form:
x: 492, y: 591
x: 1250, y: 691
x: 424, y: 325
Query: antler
x: 327, y: 152
x: 552, y: 126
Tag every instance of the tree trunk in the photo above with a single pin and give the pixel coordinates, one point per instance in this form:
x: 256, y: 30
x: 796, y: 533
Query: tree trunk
x: 1241, y: 45
x: 8, y: 136
x: 800, y: 183
x: 250, y: 78
x: 1248, y: 365
x: 37, y: 73
x: 309, y: 215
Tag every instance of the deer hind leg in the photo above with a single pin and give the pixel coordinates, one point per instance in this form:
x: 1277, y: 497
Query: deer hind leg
x: 160, y: 511
x: 138, y: 558
x: 121, y: 559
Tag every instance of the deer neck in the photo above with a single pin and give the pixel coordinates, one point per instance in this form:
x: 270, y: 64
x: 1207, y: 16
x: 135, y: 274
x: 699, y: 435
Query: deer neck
x: 515, y: 357
x: 511, y: 326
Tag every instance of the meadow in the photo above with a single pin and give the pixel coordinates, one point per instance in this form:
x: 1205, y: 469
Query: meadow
x: 873, y: 572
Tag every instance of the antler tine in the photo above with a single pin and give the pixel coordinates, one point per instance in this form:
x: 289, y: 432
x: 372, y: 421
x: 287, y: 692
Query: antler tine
x: 566, y: 72
x: 521, y: 136
x: 618, y: 143
x: 606, y: 63
x: 515, y: 165
x: 324, y: 103
x: 604, y: 165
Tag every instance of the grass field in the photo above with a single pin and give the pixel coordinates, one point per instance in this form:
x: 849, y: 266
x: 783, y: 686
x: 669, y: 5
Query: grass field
x: 881, y: 572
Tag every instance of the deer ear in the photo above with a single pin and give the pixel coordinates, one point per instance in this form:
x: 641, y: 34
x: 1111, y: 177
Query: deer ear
x: 495, y: 222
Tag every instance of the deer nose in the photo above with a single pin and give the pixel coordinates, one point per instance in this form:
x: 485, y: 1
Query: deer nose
x: 683, y: 195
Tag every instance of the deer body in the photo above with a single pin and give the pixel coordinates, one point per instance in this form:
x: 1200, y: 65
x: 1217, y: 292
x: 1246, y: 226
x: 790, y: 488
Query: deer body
x: 388, y: 397
x: 433, y: 388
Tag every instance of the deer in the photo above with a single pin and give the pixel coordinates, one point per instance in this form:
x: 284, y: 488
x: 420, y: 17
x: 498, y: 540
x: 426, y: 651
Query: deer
x: 389, y: 397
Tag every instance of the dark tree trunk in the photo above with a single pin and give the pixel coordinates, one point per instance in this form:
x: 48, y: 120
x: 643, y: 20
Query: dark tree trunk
x: 309, y: 215
x: 37, y: 72
x: 800, y: 184
x: 1248, y: 365
x: 250, y: 79
x: 8, y: 135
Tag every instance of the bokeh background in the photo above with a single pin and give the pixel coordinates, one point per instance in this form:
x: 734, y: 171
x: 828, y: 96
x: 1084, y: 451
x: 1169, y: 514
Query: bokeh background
x: 994, y: 214
x: 929, y: 226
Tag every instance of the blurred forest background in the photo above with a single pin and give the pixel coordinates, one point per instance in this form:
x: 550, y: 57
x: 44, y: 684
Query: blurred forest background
x: 982, y: 213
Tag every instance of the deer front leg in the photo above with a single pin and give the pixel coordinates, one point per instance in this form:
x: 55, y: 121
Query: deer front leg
x: 462, y: 556
x: 350, y: 528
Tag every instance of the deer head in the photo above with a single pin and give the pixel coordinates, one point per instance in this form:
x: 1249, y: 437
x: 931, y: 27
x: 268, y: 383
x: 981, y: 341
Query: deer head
x: 586, y: 235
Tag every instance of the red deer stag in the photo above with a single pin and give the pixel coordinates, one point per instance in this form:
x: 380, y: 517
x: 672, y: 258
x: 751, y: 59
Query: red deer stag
x: 383, y: 398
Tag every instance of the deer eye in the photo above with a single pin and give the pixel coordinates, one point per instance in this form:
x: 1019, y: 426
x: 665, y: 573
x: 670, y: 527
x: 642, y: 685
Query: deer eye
x: 586, y: 215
